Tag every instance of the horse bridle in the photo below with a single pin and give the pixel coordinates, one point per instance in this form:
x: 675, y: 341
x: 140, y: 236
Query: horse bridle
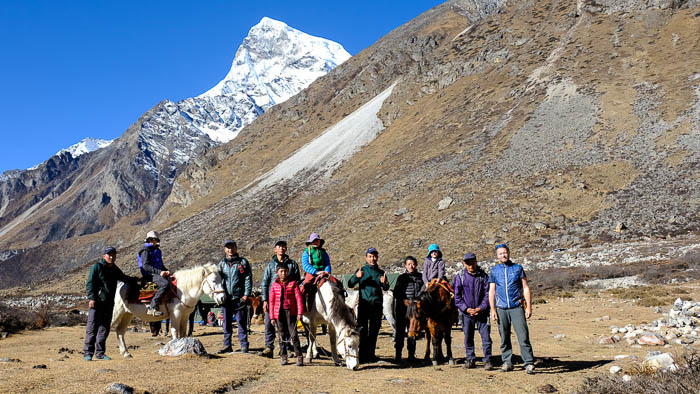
x: 211, y: 285
x: 342, y: 338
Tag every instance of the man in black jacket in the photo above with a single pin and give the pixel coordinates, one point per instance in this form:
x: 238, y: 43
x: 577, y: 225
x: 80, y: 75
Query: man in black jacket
x: 101, y: 288
x: 408, y: 287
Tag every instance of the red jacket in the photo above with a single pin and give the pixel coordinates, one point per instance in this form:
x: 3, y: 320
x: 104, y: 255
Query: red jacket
x: 291, y: 294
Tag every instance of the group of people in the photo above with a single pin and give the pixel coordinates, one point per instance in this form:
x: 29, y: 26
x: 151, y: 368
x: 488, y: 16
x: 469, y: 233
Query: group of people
x: 502, y: 296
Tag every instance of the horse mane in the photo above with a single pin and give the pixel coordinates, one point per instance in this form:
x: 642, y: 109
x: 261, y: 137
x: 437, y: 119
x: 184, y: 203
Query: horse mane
x: 191, y: 277
x: 340, y: 308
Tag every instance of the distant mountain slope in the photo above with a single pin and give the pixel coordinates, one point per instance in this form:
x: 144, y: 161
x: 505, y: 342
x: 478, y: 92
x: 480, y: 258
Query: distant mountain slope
x: 547, y: 125
x: 76, y: 193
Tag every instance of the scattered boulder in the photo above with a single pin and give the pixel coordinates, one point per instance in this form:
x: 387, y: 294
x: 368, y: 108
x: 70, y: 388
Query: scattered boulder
x: 445, y: 203
x: 651, y: 339
x: 181, y: 346
x: 119, y: 388
x: 620, y: 227
x: 615, y: 369
x: 10, y: 360
x: 39, y: 366
x: 400, y: 211
x: 559, y: 336
x: 606, y: 340
x: 547, y: 388
x: 663, y: 361
x: 626, y: 378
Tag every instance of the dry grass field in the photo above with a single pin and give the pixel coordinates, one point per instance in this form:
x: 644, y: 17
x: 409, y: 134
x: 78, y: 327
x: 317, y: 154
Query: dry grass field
x: 562, y: 363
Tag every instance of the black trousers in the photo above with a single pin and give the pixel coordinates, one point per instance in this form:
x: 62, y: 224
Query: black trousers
x: 162, y: 288
x: 97, y: 329
x: 287, y: 332
x: 369, y: 321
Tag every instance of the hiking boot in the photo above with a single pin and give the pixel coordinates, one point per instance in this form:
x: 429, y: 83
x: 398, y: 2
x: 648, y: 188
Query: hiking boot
x: 87, y: 357
x: 506, y: 367
x: 106, y: 357
x: 530, y: 369
x: 397, y: 357
x: 300, y: 361
x: 283, y: 360
x: 268, y: 352
x: 242, y: 350
x: 487, y: 365
x: 411, y: 359
x: 227, y: 349
x: 468, y: 363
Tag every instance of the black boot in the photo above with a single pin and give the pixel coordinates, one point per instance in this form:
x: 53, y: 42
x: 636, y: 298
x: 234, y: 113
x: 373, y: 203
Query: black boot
x: 397, y: 358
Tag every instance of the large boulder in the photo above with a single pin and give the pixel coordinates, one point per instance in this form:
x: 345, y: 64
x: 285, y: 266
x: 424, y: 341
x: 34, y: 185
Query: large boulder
x: 178, y: 347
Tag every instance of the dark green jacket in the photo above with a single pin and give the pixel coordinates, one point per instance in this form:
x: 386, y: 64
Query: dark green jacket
x: 102, y: 282
x: 370, y: 284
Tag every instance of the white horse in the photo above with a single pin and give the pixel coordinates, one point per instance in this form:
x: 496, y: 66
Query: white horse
x: 330, y: 308
x: 353, y: 299
x: 191, y: 284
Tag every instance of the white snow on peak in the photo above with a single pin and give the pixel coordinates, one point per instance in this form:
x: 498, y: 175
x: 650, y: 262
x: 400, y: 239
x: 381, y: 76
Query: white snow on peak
x: 85, y: 146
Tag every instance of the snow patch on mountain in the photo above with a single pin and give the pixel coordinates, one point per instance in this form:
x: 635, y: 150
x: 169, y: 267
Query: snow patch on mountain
x: 337, y: 144
x: 273, y: 63
x: 85, y: 146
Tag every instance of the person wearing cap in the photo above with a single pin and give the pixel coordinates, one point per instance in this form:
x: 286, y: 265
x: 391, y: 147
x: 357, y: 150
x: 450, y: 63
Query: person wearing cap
x: 101, y: 288
x: 408, y: 287
x: 316, y: 262
x: 508, y: 294
x: 372, y: 281
x: 471, y: 287
x: 150, y: 260
x: 238, y: 283
x: 269, y: 277
x: 433, y: 266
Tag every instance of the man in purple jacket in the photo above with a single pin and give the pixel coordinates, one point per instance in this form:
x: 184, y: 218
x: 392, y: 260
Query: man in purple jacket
x: 471, y: 287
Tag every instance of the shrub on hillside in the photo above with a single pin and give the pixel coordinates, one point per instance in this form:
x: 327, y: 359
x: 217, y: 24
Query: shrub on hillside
x: 17, y: 319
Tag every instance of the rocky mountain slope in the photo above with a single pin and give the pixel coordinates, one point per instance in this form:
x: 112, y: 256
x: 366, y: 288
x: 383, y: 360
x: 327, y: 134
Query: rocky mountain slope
x: 548, y: 125
x: 129, y: 180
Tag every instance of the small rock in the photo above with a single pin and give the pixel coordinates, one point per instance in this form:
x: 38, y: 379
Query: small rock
x: 615, y: 369
x: 621, y: 357
x: 442, y: 222
x: 119, y: 388
x: 397, y: 381
x: 39, y: 366
x: 365, y: 205
x: 400, y: 211
x: 626, y: 378
x: 10, y: 360
x: 547, y: 388
x: 605, y: 318
x: 445, y: 203
x: 657, y: 309
x: 662, y: 361
x: 651, y: 339
x: 604, y: 340
x: 620, y: 227
x: 559, y: 336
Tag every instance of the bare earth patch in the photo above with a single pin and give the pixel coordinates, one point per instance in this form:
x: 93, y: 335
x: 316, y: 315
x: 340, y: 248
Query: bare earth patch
x: 562, y: 362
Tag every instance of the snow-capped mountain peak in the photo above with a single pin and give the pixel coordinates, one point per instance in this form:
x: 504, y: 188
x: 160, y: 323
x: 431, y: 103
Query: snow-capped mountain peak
x: 85, y: 146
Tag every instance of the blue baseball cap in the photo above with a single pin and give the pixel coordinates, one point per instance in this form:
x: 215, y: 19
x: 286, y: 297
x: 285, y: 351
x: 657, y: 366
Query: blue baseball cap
x: 469, y: 256
x: 110, y: 250
x: 372, y: 251
x: 229, y: 242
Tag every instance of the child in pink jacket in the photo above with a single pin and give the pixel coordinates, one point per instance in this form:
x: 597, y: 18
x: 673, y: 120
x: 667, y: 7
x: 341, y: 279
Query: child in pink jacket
x: 286, y: 307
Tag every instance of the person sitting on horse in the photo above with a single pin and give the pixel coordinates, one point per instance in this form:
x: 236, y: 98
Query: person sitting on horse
x: 269, y: 277
x: 408, y: 287
x: 316, y: 262
x: 286, y: 309
x: 238, y: 284
x: 433, y: 266
x: 471, y: 287
x: 371, y: 280
x: 153, y: 270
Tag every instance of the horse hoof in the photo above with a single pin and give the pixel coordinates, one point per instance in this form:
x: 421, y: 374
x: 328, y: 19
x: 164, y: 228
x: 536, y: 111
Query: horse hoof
x: 435, y: 363
x: 451, y: 362
x: 128, y: 355
x: 307, y: 360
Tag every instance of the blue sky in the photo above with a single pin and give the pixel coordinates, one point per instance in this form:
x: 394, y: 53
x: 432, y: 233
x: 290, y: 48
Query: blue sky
x: 77, y: 69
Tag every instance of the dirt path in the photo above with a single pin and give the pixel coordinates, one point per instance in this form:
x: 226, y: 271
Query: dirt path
x: 562, y: 363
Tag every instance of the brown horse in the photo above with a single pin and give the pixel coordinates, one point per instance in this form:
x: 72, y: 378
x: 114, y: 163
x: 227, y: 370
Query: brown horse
x: 436, y: 311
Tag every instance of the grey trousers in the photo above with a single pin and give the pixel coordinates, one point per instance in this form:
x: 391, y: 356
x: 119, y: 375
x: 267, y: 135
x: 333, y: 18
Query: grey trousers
x: 516, y: 318
x: 269, y: 332
x: 97, y: 329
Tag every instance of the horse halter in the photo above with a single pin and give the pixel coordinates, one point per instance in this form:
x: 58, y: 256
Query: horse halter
x: 342, y: 338
x: 210, y: 283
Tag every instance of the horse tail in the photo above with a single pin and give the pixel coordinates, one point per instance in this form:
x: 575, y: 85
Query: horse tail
x: 119, y: 306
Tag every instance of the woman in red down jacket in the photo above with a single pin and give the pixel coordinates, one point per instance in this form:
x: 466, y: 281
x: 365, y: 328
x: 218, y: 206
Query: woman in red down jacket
x: 286, y: 307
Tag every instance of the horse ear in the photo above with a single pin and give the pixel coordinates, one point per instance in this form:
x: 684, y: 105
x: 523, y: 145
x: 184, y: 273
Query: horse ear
x: 406, y: 302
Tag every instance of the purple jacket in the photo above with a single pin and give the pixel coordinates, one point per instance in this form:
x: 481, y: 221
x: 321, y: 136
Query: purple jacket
x: 433, y: 270
x: 471, y: 291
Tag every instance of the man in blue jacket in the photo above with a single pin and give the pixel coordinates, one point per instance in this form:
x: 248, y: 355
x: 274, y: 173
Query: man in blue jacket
x: 471, y: 287
x: 238, y: 284
x: 269, y: 277
x: 508, y: 294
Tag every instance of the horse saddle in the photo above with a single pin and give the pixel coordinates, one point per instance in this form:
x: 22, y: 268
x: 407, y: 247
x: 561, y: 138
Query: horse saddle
x: 321, y: 279
x: 145, y: 293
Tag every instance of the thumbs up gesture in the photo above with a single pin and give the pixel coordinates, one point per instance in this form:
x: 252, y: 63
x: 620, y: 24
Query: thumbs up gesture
x: 359, y: 273
x: 383, y: 278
